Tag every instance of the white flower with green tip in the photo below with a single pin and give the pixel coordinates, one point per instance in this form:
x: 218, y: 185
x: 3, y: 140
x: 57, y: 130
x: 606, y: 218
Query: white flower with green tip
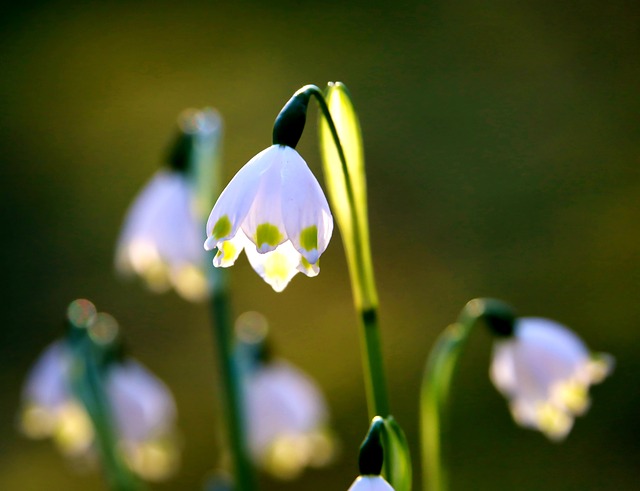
x: 545, y: 370
x: 276, y: 211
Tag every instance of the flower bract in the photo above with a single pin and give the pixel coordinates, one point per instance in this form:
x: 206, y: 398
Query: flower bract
x: 545, y: 370
x: 161, y: 237
x: 370, y: 483
x: 276, y: 211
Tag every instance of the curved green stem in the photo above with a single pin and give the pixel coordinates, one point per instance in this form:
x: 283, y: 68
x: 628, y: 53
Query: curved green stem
x: 436, y: 382
x: 373, y: 367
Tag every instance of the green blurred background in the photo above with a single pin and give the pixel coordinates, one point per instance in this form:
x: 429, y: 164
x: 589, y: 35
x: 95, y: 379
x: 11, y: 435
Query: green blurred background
x: 502, y: 156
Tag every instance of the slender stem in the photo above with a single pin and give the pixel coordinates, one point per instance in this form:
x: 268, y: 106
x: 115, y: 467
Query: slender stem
x: 205, y: 170
x: 376, y: 386
x: 90, y: 387
x: 373, y: 366
x: 434, y: 396
x: 222, y: 328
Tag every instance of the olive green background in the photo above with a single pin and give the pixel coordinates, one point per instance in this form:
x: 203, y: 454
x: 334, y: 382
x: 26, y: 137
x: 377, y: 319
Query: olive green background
x: 502, y: 143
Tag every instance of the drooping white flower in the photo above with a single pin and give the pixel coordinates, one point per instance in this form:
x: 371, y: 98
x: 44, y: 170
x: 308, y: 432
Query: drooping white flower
x: 276, y: 211
x: 287, y: 419
x: 370, y: 483
x: 545, y: 370
x: 49, y: 408
x: 145, y: 413
x: 161, y: 237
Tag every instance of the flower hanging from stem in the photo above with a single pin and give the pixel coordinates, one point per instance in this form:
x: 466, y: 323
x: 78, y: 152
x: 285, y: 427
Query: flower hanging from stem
x: 274, y: 209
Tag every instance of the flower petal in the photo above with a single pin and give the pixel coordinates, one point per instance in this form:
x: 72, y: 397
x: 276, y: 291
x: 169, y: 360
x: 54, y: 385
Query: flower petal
x: 264, y: 224
x: 236, y: 200
x: 370, y: 483
x: 229, y: 250
x: 47, y: 385
x: 276, y: 267
x: 161, y: 236
x: 143, y: 406
x: 306, y: 213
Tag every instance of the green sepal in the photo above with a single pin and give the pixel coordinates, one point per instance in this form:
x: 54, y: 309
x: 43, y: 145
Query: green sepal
x: 397, y: 458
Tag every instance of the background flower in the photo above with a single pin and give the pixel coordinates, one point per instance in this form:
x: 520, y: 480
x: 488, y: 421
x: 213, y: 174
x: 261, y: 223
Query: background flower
x: 545, y: 371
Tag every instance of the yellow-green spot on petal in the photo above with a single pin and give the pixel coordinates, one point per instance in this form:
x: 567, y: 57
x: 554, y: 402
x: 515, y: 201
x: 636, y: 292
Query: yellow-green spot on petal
x: 222, y: 228
x: 574, y: 396
x: 553, y: 422
x: 309, y: 238
x: 228, y: 249
x: 276, y: 267
x: 269, y: 234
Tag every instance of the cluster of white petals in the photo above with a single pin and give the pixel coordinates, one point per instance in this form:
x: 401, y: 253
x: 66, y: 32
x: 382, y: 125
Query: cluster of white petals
x: 143, y: 408
x: 161, y: 239
x: 545, y: 371
x: 274, y: 210
x: 287, y: 420
x: 370, y: 483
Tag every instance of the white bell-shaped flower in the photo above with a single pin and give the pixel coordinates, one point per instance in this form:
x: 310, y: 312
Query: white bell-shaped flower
x: 287, y: 419
x: 545, y: 371
x: 145, y: 414
x: 370, y: 483
x: 276, y: 211
x: 49, y: 409
x: 161, y: 239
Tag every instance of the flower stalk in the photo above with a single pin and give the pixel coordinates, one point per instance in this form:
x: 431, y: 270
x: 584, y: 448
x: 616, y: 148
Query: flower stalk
x: 436, y: 383
x: 88, y: 383
x: 233, y: 407
x: 203, y: 131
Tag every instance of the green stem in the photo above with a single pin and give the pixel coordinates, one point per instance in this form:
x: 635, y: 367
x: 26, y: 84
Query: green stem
x: 90, y: 387
x: 222, y: 328
x: 435, y: 389
x: 373, y: 367
x: 376, y: 387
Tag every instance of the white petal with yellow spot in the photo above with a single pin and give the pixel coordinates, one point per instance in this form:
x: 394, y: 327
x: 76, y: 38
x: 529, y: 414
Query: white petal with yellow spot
x: 276, y: 211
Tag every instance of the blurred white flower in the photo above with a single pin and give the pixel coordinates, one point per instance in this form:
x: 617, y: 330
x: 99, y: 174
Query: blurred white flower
x: 142, y: 407
x: 145, y: 414
x: 161, y: 238
x: 49, y: 407
x: 287, y: 420
x: 545, y: 370
x: 276, y: 211
x: 370, y: 483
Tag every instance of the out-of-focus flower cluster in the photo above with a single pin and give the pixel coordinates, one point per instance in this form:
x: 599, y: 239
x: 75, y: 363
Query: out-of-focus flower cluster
x: 142, y: 408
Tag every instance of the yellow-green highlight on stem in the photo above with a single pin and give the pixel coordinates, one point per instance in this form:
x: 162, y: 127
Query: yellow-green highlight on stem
x: 347, y: 189
x: 343, y: 163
